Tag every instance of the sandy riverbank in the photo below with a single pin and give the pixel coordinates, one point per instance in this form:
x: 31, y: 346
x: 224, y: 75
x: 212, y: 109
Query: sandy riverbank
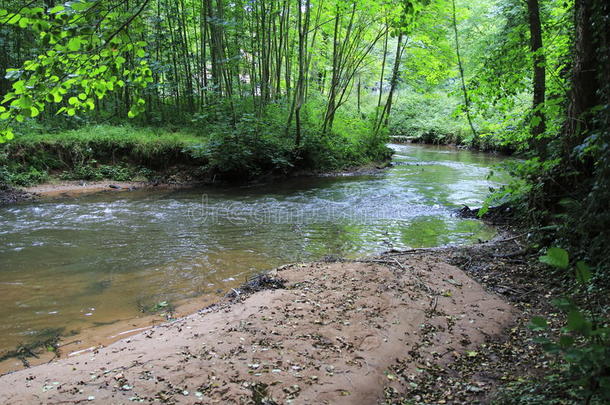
x: 333, y: 334
x: 75, y: 188
x: 58, y: 189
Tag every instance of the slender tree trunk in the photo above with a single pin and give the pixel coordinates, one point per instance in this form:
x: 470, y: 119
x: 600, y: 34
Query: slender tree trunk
x: 203, y: 27
x: 381, y: 76
x: 359, y: 91
x: 299, y: 93
x: 539, y: 126
x: 387, y: 108
x: 186, y: 57
x: 461, y: 69
x: 303, y: 38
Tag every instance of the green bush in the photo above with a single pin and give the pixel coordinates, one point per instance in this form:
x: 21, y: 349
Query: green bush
x: 436, y: 118
x: 427, y: 117
x: 230, y: 141
x: 260, y: 143
x: 22, y: 176
x: 103, y: 143
x: 102, y: 172
x: 584, y: 342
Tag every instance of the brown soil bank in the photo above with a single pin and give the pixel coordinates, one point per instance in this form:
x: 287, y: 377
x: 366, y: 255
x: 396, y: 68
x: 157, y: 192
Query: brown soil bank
x: 10, y: 195
x: 337, y: 333
x: 76, y: 188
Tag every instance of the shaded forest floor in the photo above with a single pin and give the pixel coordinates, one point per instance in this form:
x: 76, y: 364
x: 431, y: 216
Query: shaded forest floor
x: 440, y: 325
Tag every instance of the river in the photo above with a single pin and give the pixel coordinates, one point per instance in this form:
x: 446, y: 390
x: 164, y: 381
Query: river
x: 84, y: 262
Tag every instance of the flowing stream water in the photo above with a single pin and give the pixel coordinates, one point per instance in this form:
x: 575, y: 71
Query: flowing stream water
x: 88, y: 261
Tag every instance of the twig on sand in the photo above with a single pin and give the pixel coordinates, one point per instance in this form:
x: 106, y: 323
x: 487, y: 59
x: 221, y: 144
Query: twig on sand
x: 399, y: 264
x: 412, y: 251
x: 435, y: 304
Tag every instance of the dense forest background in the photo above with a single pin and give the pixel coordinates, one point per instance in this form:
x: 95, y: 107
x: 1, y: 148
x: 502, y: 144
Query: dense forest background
x: 128, y: 89
x: 318, y: 84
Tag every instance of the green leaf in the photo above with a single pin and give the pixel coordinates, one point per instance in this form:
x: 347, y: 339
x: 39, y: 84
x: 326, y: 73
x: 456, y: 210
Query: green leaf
x: 573, y: 355
x: 131, y: 114
x: 535, y: 121
x: 34, y: 112
x: 552, y: 348
x: 79, y: 5
x: 74, y: 44
x: 25, y: 102
x: 538, y: 323
x: 13, y: 74
x: 73, y: 100
x: 56, y: 9
x: 483, y: 210
x: 577, y: 322
x: 583, y: 272
x: 19, y: 87
x: 564, y: 304
x: 556, y: 257
x: 566, y: 341
x: 6, y: 135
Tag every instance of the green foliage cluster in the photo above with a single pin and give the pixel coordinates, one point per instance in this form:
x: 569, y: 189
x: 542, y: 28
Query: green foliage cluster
x: 427, y: 117
x: 93, y: 153
x: 102, y: 172
x: 259, y: 102
x: 584, y: 342
x: 92, y: 144
x: 84, y: 58
x: 22, y: 176
x: 253, y: 147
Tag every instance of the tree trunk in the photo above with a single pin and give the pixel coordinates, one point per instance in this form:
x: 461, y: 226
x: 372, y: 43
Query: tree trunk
x: 461, y: 68
x: 539, y: 78
x: 585, y: 73
x: 387, y: 108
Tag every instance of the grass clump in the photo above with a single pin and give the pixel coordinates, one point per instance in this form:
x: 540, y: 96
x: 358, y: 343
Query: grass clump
x: 98, y: 152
